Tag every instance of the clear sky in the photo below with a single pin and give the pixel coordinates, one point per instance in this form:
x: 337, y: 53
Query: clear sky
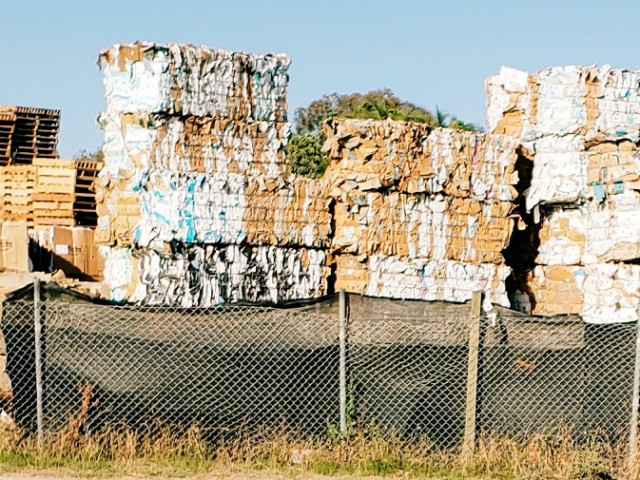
x: 428, y: 52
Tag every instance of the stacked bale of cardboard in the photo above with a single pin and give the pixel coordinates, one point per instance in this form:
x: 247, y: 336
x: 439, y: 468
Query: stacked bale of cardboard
x: 420, y: 213
x: 194, y: 206
x: 579, y: 127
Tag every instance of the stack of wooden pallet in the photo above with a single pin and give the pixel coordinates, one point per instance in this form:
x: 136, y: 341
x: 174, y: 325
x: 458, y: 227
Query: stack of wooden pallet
x: 16, y: 190
x: 49, y: 192
x: 63, y: 194
x: 84, y: 203
x: 53, y: 192
x: 27, y: 133
x: 7, y: 126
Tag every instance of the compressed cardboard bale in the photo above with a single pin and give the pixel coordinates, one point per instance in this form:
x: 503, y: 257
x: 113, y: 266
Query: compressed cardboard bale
x: 230, y: 208
x: 600, y: 104
x: 197, y: 275
x: 422, y: 226
x: 193, y: 144
x: 566, y: 170
x: 413, y: 158
x: 579, y: 126
x: 185, y: 80
x: 118, y: 210
x: 612, y: 167
x: 592, y: 232
x: 556, y: 290
x: 423, y: 279
x: 352, y: 274
x: 601, y: 293
x: 287, y: 212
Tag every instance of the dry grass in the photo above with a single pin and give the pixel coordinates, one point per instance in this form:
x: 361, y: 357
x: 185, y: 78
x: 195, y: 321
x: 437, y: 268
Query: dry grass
x: 117, y: 450
x: 160, y: 450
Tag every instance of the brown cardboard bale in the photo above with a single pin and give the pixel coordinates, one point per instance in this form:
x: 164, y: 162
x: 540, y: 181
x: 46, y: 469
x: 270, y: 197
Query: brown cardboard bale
x: 592, y: 232
x: 422, y: 226
x: 351, y: 274
x: 555, y: 291
x: 601, y: 292
x: 413, y: 158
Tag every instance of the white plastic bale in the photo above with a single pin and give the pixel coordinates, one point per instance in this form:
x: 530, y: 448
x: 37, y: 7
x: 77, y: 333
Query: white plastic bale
x: 143, y: 85
x: 611, y: 293
x: 127, y: 144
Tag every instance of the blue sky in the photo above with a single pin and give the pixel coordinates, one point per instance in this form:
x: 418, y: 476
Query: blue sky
x: 431, y: 53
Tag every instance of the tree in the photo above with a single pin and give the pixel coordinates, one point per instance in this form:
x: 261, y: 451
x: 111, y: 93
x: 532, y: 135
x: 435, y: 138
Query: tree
x: 305, y: 155
x: 377, y: 104
x: 97, y: 156
x: 304, y: 150
x: 445, y: 120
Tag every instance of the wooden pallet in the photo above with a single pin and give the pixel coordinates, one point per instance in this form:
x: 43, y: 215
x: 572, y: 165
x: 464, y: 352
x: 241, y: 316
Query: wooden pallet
x: 33, y: 133
x: 16, y: 190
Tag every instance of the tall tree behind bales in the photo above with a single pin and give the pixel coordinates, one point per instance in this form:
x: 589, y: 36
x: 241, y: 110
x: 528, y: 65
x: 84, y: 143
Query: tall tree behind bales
x: 83, y: 154
x: 376, y: 104
x: 445, y: 120
x: 304, y: 150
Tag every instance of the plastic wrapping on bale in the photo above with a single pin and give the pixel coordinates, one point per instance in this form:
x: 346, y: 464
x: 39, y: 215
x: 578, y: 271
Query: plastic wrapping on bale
x: 601, y: 293
x: 421, y: 279
x: 419, y: 226
x: 413, y: 158
x: 187, y: 80
x: 202, y: 276
x: 592, y: 232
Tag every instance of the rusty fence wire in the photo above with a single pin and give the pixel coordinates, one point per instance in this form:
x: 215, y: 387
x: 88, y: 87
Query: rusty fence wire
x: 243, y: 368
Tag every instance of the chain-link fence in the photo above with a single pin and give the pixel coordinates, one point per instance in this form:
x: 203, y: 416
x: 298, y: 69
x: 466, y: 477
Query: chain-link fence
x: 407, y: 368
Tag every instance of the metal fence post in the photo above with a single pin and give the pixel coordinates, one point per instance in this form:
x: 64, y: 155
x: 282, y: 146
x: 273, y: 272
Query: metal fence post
x: 38, y: 348
x: 342, y: 337
x: 635, y: 404
x: 468, y: 443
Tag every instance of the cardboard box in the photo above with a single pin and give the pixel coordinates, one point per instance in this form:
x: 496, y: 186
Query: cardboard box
x: 15, y: 247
